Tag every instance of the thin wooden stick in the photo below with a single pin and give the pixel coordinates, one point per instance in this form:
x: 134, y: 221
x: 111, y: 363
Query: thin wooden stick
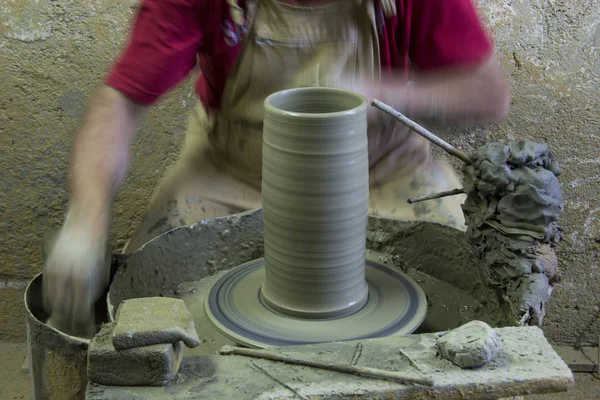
x: 435, y: 196
x: 357, y: 354
x: 375, y: 373
x: 410, y: 360
x: 422, y: 131
x: 285, y: 385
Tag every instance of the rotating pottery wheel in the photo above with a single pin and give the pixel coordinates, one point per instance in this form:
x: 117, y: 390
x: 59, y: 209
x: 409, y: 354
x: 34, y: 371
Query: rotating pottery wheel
x: 314, y: 283
x: 396, y: 305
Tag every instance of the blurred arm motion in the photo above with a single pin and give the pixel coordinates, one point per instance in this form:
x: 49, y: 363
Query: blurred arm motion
x: 161, y: 52
x: 76, y: 270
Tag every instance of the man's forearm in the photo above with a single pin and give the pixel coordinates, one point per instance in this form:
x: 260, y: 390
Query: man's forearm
x: 100, y: 156
x: 474, y: 96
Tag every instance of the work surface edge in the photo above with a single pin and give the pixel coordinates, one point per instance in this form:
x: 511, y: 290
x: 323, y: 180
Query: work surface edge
x: 527, y: 364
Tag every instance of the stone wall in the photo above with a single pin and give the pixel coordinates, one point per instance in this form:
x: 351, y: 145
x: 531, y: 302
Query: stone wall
x: 52, y: 54
x: 55, y: 52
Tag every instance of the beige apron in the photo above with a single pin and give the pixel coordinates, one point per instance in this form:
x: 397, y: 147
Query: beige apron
x: 331, y: 45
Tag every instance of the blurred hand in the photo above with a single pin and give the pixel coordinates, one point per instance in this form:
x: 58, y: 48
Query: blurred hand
x: 367, y: 88
x: 393, y: 148
x: 404, y: 152
x: 76, y: 273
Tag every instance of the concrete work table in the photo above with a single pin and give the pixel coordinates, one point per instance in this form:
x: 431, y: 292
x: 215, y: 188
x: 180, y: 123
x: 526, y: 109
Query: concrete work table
x: 527, y: 364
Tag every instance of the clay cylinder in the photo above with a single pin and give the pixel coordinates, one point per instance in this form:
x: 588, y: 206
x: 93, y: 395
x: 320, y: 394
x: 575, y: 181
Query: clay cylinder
x: 315, y: 193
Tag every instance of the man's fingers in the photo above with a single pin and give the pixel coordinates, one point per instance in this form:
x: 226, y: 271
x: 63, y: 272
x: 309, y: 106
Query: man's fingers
x: 82, y: 312
x: 53, y: 286
x: 74, y: 278
x: 403, y: 159
x: 387, y: 166
x: 63, y: 298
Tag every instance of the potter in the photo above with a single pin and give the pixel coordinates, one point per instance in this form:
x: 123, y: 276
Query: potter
x: 246, y: 52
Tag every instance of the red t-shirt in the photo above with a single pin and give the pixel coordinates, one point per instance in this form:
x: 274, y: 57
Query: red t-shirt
x: 171, y: 37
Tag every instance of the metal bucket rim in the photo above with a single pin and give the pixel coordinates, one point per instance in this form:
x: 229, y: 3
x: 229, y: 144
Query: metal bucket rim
x: 32, y: 316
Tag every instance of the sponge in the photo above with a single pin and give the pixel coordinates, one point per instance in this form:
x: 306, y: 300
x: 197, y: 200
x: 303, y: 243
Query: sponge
x: 154, y: 365
x: 153, y: 320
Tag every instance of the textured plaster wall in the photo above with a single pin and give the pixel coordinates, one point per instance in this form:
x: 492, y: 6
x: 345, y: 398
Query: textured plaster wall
x: 52, y: 53
x: 552, y: 50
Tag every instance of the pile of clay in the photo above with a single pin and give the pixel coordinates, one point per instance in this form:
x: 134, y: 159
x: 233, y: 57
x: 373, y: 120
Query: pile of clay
x: 514, y: 201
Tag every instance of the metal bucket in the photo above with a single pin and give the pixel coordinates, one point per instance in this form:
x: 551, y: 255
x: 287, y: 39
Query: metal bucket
x: 57, y: 361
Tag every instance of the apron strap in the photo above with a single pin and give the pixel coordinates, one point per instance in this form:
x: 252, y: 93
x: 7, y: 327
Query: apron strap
x: 237, y: 13
x: 242, y: 13
x: 389, y: 8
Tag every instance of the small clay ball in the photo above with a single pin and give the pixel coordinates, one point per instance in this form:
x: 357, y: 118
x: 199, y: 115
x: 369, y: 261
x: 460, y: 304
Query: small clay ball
x: 471, y: 345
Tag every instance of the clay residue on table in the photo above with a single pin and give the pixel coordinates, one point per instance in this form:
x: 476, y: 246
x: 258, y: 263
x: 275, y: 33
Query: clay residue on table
x: 514, y: 201
x: 517, y: 370
x: 448, y: 306
x: 193, y: 294
x: 186, y: 261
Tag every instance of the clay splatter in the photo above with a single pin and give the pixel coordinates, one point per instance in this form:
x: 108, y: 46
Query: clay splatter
x: 512, y: 210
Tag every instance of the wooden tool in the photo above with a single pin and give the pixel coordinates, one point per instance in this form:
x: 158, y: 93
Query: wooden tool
x: 375, y: 373
x: 433, y: 196
x: 422, y: 131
